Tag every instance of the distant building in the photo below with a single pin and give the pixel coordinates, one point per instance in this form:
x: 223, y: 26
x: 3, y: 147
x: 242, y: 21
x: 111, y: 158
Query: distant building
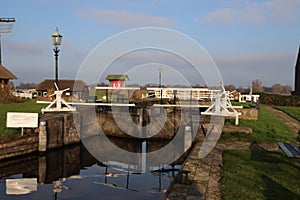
x: 28, y: 94
x: 237, y: 96
x: 185, y: 94
x: 249, y: 98
x: 297, y: 76
x: 117, y: 80
x: 76, y: 87
x: 234, y: 96
x: 5, y: 76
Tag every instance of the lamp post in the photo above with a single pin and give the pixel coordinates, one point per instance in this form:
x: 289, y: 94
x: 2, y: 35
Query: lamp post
x: 6, y: 26
x: 56, y: 41
x: 159, y: 78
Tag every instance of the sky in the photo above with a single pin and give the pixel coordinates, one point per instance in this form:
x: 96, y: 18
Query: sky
x: 246, y: 39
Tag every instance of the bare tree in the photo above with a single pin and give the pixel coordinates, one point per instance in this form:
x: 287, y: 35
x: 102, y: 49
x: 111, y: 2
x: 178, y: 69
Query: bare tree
x: 26, y: 85
x: 230, y: 87
x: 277, y: 88
x: 281, y: 89
x: 286, y: 89
x: 242, y: 90
x: 257, y: 86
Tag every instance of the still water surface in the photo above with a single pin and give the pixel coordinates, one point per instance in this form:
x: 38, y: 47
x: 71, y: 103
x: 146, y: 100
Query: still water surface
x: 72, y: 173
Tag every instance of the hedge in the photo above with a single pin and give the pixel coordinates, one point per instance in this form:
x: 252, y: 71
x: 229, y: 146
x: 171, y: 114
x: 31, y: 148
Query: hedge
x: 279, y: 100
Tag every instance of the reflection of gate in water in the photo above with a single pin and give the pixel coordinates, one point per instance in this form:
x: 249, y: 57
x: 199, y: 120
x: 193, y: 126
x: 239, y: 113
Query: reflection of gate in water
x: 55, y: 164
x: 138, y: 155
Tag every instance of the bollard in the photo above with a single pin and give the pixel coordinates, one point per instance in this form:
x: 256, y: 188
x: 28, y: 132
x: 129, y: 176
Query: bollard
x: 42, y: 137
x: 187, y: 138
x: 184, y: 176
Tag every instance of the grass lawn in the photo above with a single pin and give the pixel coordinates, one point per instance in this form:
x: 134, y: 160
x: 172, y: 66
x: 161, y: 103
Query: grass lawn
x: 260, y: 175
x: 292, y: 111
x: 244, y: 104
x: 267, y: 129
x: 27, y: 106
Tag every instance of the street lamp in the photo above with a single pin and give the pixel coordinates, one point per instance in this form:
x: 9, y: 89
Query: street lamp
x: 159, y: 72
x: 56, y: 41
x: 6, y: 26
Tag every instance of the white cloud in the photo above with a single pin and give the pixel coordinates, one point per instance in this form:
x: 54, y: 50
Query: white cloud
x: 271, y: 11
x: 125, y: 18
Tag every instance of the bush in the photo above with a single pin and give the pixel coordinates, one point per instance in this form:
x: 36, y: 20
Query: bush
x: 279, y: 100
x: 7, y: 97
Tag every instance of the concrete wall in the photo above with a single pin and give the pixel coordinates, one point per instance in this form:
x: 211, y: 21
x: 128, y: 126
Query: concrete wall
x: 55, y: 130
x: 51, y: 166
x: 19, y: 146
x: 248, y: 113
x: 159, y: 128
x: 58, y: 129
x: 61, y: 129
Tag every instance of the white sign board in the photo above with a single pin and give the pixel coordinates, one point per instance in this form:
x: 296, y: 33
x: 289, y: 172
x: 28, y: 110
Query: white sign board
x: 22, y: 120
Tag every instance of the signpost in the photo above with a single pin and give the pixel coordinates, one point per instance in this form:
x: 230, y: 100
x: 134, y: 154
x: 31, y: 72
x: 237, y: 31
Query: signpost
x: 22, y: 120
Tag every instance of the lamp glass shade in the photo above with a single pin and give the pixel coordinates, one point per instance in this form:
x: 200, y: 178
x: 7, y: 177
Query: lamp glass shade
x: 56, y: 37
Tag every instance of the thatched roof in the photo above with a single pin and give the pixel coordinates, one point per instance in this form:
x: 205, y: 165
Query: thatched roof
x: 6, y: 74
x: 62, y: 84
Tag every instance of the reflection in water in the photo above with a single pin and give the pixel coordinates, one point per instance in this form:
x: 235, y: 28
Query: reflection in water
x: 21, y: 186
x: 168, y: 124
x: 144, y: 152
x: 72, y: 173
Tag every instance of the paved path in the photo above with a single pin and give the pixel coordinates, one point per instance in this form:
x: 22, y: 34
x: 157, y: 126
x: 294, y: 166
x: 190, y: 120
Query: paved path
x: 205, y: 174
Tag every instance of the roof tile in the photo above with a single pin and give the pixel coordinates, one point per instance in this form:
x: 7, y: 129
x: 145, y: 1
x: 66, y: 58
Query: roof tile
x: 74, y: 85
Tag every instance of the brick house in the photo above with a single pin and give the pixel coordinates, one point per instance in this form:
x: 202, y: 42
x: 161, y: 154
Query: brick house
x: 75, y: 91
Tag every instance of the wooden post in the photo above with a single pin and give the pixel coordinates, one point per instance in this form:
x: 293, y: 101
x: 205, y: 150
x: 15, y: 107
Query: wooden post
x: 140, y: 120
x: 42, y: 169
x: 236, y: 119
x: 42, y: 137
x: 106, y: 91
x: 65, y: 130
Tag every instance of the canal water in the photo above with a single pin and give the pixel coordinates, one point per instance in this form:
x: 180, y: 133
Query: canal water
x: 73, y: 173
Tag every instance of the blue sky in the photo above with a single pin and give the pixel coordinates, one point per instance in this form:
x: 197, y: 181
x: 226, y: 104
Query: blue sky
x: 247, y: 40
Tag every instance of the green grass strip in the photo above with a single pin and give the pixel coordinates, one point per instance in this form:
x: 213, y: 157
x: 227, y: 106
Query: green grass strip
x: 260, y: 175
x: 267, y: 129
x: 27, y: 106
x: 294, y: 112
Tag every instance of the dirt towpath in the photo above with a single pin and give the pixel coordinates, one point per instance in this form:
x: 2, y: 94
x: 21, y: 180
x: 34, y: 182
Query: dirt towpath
x: 292, y: 123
